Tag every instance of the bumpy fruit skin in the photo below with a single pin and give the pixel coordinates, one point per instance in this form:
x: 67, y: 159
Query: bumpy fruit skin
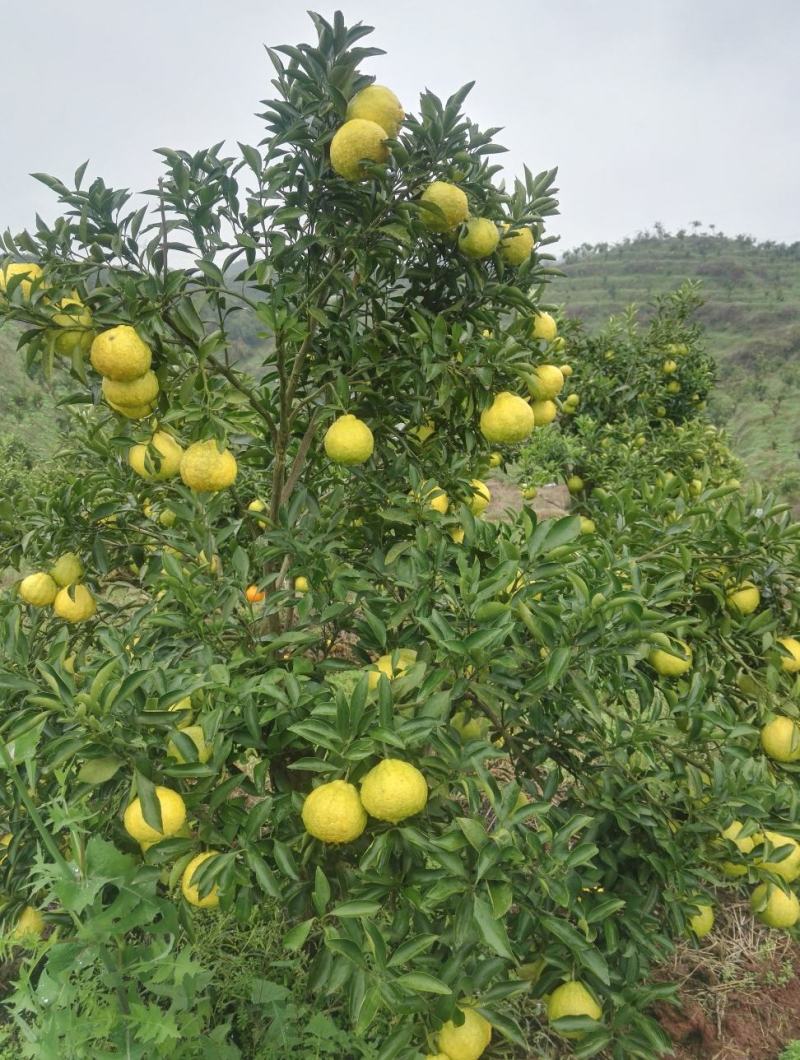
x: 773, y: 907
x: 566, y: 370
x: 668, y: 367
x: 394, y: 790
x: 405, y: 657
x: 160, y: 465
x: 29, y: 925
x: 508, y: 419
x: 791, y: 662
x: 544, y: 412
x: 378, y: 104
x: 349, y: 441
x: 452, y: 202
x: 132, y: 412
x: 788, y: 868
x: 479, y: 239
x: 546, y: 382
x: 28, y: 269
x: 481, y: 495
x: 470, y: 1040
x: 120, y: 354
x: 73, y: 329
x: 669, y: 665
x: 205, y: 469
x: 74, y: 603
x: 703, y: 921
x: 354, y: 141
x: 457, y: 535
x: 517, y: 247
x: 780, y: 739
x: 140, y: 391
x: 439, y: 501
x: 191, y: 891
x: 67, y: 570
x: 745, y: 845
x: 572, y: 999
x: 38, y: 590
x: 744, y: 599
x: 173, y: 817
x: 333, y: 813
x: 198, y: 738
x: 544, y: 327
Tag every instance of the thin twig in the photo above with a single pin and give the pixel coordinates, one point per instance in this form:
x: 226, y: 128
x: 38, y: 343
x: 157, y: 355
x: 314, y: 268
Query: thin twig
x: 300, y: 457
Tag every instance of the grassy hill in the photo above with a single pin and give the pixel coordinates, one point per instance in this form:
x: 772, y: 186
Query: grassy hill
x: 28, y: 415
x: 752, y: 321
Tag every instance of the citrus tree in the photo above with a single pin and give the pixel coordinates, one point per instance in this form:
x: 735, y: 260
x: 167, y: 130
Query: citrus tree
x: 265, y: 652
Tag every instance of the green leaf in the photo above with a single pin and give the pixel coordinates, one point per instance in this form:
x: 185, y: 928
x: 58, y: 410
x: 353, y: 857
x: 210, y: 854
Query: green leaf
x: 493, y: 931
x: 422, y: 983
x: 355, y: 908
x: 99, y: 770
x: 294, y: 939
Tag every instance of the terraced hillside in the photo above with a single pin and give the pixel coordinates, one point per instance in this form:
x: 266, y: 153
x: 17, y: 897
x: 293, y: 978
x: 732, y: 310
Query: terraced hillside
x: 752, y: 321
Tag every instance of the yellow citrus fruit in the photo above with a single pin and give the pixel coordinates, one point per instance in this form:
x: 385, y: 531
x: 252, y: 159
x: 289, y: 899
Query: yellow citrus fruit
x: 205, y: 468
x: 394, y: 790
x: 674, y: 387
x: 439, y: 501
x: 457, y: 535
x: 790, y: 662
x: 470, y: 728
x: 788, y: 868
x: 481, y: 495
x: 780, y: 739
x: 173, y: 817
x: 405, y: 657
x: 28, y: 269
x: 745, y: 846
x: 74, y: 328
x: 495, y: 459
x: 774, y: 907
x: 29, y: 925
x: 668, y: 665
x: 355, y: 141
x: 546, y: 382
x: 744, y: 599
x: 517, y: 246
x: 333, y: 812
x: 191, y: 890
x: 184, y: 706
x: 453, y: 208
x: 38, y: 590
x: 479, y: 238
x: 587, y: 525
x: 437, y: 1056
x: 566, y: 370
x: 574, y: 484
x: 301, y: 584
x: 668, y: 367
x: 120, y: 354
x: 424, y: 431
x: 378, y: 104
x: 544, y: 327
x: 198, y: 738
x: 156, y: 460
x: 67, y: 569
x: 74, y: 603
x: 349, y: 441
x: 544, y: 412
x: 508, y: 419
x: 468, y: 1041
x: 135, y: 392
x: 701, y: 922
x: 167, y: 517
x: 132, y: 412
x: 572, y: 999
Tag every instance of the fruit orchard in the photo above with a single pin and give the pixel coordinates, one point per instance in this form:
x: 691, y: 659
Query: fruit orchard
x: 275, y: 684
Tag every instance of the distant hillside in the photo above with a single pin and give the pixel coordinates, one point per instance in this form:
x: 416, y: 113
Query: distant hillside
x: 28, y: 414
x: 752, y: 322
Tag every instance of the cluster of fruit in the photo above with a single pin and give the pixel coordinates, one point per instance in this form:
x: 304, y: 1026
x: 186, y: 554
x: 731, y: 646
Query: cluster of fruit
x: 62, y: 588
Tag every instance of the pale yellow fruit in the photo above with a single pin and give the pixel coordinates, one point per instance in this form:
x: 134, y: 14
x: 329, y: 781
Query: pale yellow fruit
x: 479, y: 239
x: 356, y: 141
x: 439, y: 501
x: 481, y: 495
x: 333, y: 813
x: 780, y: 739
x: 198, y: 738
x: 133, y: 412
x: 167, y: 517
x: 668, y: 367
x: 745, y: 846
x: 73, y: 328
x: 5, y: 842
x: 301, y: 584
x: 495, y: 459
x: 424, y: 431
x: 29, y: 269
x: 788, y: 868
x: 38, y: 590
x: 120, y: 354
x: 696, y: 487
x: 574, y: 484
x: 671, y: 665
x: 791, y: 662
x: 674, y: 387
x: 74, y: 603
x: 572, y: 999
x: 349, y: 441
x: 470, y: 728
x: 405, y: 657
x: 136, y: 392
x: 744, y: 599
x: 437, y: 1056
x: 546, y: 382
x: 450, y: 200
x: 566, y: 370
x: 469, y: 1041
x: 67, y: 569
x: 378, y: 104
x: 702, y: 921
x: 457, y: 535
x: 773, y: 907
x: 29, y: 925
x: 544, y: 412
x: 587, y: 525
x: 191, y: 890
x: 157, y: 460
x: 508, y: 419
x: 173, y: 816
x: 206, y: 469
x: 544, y: 327
x: 184, y: 707
x: 394, y: 790
x: 517, y: 246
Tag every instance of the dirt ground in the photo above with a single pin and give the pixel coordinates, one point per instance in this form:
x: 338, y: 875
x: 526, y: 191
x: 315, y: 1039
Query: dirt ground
x: 550, y: 502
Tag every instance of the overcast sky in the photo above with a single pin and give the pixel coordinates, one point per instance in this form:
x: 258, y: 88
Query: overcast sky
x: 668, y: 110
